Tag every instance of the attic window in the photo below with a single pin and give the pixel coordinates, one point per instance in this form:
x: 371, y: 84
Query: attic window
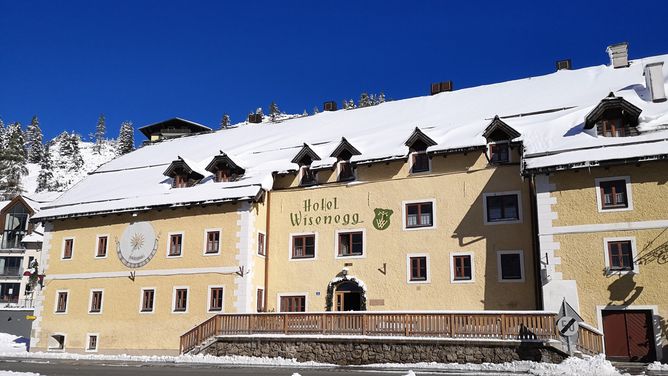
x: 180, y: 181
x: 499, y: 152
x: 224, y: 168
x: 417, y: 144
x: 304, y: 158
x: 614, y: 117
x: 182, y: 174
x: 306, y: 176
x: 612, y: 128
x: 343, y: 153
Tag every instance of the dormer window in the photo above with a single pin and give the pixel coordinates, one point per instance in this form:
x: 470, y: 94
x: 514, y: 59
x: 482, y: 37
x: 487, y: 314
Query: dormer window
x: 345, y: 170
x: 418, y: 158
x: 224, y: 169
x: 304, y: 158
x: 183, y: 174
x: 614, y: 117
x: 499, y: 136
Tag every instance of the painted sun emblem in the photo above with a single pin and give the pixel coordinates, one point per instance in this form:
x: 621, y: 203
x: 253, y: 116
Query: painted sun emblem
x: 137, y: 241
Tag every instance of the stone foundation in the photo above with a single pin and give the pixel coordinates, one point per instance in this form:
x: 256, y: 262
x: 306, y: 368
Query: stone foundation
x: 366, y: 350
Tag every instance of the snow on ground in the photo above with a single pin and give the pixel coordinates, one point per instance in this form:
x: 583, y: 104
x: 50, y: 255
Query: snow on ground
x: 12, y: 373
x: 656, y: 366
x: 10, y: 344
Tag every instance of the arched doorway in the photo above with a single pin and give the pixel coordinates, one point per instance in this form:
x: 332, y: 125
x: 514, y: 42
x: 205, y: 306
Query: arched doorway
x: 346, y: 295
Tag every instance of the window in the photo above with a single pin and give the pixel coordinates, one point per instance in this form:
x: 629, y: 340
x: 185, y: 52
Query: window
x: 216, y: 299
x: 16, y: 227
x: 260, y: 244
x: 613, y: 128
x: 95, y: 301
x: 180, y: 181
x: 295, y: 303
x: 614, y: 194
x: 620, y: 255
x: 462, y: 268
x: 260, y: 300
x: 419, y: 214
x: 180, y: 300
x: 147, y: 300
x: 499, y: 153
x: 101, y: 246
x: 351, y: 243
x: 61, y: 302
x: 418, y: 269
x: 175, y: 244
x: 91, y: 343
x: 224, y: 175
x: 346, y: 172
x: 501, y: 207
x: 212, y: 242
x: 68, y: 249
x: 303, y: 246
x: 307, y: 176
x: 420, y: 162
x: 57, y: 342
x: 510, y: 266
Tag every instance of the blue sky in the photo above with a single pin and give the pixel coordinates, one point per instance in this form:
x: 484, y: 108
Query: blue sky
x: 146, y: 61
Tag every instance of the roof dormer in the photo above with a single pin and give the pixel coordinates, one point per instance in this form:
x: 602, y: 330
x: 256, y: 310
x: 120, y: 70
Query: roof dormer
x: 614, y: 117
x: 343, y: 152
x: 417, y: 144
x: 304, y: 158
x: 224, y: 169
x: 182, y: 174
x: 498, y: 135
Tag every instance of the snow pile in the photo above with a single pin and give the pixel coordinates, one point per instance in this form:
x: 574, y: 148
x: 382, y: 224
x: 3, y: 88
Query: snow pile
x: 12, y: 373
x: 656, y: 366
x: 10, y: 344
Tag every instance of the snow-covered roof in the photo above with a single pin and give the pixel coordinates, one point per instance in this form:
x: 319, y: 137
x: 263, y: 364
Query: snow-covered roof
x: 3, y: 204
x: 547, y: 111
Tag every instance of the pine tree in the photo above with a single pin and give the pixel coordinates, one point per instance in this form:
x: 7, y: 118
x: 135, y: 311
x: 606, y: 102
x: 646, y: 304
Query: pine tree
x: 225, y: 122
x: 13, y: 161
x: 69, y: 152
x: 315, y: 110
x: 364, y: 101
x: 34, y: 141
x: 126, y: 138
x: 3, y: 135
x: 381, y: 98
x: 305, y: 113
x: 45, y: 178
x: 274, y: 111
x: 100, y: 133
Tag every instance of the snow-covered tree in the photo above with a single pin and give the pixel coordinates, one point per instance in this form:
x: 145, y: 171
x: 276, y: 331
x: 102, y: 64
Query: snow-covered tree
x: 100, y: 133
x: 3, y: 134
x: 381, y: 98
x: 305, y: 113
x: 364, y: 101
x: 274, y: 111
x: 70, y: 154
x: 225, y: 122
x: 259, y: 111
x: 34, y: 141
x: 13, y: 161
x: 315, y: 110
x: 126, y: 138
x: 45, y: 180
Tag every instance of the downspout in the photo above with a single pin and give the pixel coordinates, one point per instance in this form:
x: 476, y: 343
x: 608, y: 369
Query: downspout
x: 536, y: 244
x: 266, y: 252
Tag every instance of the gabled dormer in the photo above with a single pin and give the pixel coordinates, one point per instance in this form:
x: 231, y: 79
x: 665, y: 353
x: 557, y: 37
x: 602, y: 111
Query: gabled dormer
x: 417, y: 144
x: 499, y: 135
x: 345, y: 171
x: 614, y: 117
x: 224, y: 169
x: 182, y: 174
x: 304, y: 158
x: 14, y: 223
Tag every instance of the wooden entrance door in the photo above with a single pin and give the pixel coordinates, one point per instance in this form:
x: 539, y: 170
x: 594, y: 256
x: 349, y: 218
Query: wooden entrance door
x: 629, y: 335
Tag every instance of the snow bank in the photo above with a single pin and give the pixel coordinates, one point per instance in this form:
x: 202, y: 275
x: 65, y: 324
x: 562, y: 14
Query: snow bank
x: 11, y: 344
x: 656, y: 366
x: 12, y: 373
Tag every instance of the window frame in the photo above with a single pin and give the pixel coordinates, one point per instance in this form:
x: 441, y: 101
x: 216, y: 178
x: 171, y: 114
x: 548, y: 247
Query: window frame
x: 411, y: 161
x: 174, y: 295
x: 169, y: 243
x: 503, y: 221
x: 499, y: 269
x: 264, y: 244
x: 206, y: 242
x: 409, y: 279
x: 300, y: 176
x: 90, y: 301
x: 209, y: 295
x: 62, y: 254
x: 337, y: 233
x: 87, y: 343
x: 490, y: 153
x: 404, y: 214
x: 635, y: 268
x: 452, y: 267
x: 599, y: 198
x: 291, y: 246
x: 97, y: 246
x: 67, y: 302
x: 141, y: 300
x: 339, y: 169
x: 291, y: 294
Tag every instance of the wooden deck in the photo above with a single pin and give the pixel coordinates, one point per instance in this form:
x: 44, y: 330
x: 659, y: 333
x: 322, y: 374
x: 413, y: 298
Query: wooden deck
x: 473, y: 325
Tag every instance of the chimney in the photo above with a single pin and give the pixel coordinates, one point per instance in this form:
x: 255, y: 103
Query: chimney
x: 654, y: 81
x: 330, y: 106
x: 255, y: 118
x: 619, y: 55
x: 564, y: 64
x: 439, y: 87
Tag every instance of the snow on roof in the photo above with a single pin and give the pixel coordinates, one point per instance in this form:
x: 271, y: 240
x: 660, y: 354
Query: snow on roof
x: 548, y: 111
x: 3, y: 204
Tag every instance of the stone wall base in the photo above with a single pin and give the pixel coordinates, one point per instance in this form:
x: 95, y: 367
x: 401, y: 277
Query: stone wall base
x: 355, y: 351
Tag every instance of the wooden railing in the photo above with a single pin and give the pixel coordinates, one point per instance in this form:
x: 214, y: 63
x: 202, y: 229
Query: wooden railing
x: 478, y: 325
x: 590, y: 340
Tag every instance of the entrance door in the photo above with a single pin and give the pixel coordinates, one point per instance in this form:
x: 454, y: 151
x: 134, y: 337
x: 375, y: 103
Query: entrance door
x: 348, y: 297
x: 629, y: 335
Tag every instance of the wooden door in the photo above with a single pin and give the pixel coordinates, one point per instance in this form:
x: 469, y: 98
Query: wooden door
x: 339, y: 301
x: 629, y: 335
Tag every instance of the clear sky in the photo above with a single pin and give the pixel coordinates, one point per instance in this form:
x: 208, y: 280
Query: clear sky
x: 146, y: 61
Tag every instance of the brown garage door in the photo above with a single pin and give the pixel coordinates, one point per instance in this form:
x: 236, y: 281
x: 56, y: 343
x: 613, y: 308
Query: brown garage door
x: 629, y: 335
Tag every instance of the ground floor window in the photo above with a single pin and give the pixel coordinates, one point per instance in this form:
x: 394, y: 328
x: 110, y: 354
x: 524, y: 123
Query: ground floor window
x: 57, y: 342
x: 91, y: 343
x: 294, y: 303
x: 216, y: 299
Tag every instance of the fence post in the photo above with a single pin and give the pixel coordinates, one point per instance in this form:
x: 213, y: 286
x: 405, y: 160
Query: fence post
x: 503, y: 326
x: 285, y: 323
x: 406, y: 324
x: 364, y: 324
x: 452, y: 325
x: 250, y: 324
